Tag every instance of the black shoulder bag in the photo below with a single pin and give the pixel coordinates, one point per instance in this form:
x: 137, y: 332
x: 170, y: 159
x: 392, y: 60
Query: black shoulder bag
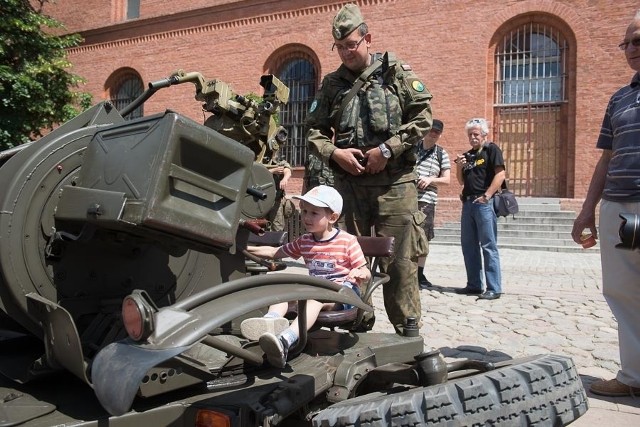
x: 504, y: 202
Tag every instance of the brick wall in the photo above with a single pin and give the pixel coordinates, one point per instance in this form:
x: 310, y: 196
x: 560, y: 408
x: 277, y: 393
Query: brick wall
x: 450, y: 44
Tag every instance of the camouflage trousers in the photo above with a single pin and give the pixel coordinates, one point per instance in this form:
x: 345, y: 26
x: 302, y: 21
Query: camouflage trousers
x: 393, y: 211
x: 276, y: 216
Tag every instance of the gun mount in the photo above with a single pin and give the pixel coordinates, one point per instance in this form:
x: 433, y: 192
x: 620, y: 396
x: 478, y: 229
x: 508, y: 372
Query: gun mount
x: 122, y: 263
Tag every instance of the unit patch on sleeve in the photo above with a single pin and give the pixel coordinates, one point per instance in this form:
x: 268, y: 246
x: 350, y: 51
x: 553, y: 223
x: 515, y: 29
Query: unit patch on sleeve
x: 417, y: 85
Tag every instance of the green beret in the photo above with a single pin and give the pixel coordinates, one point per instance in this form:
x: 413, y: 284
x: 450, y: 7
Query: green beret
x: 348, y: 19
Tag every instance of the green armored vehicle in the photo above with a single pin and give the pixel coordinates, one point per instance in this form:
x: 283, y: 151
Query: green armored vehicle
x: 124, y: 277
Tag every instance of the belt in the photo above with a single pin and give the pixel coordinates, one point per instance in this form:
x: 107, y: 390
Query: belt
x: 472, y: 197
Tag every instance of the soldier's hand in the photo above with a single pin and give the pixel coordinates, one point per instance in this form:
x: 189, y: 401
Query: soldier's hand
x: 375, y: 161
x: 349, y: 159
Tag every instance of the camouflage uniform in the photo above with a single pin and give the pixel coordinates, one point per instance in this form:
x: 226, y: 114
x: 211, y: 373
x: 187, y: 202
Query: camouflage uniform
x: 392, y: 107
x: 316, y: 172
x: 276, y: 214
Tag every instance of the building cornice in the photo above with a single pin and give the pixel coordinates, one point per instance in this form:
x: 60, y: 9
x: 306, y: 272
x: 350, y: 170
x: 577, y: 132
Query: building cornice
x: 234, y: 14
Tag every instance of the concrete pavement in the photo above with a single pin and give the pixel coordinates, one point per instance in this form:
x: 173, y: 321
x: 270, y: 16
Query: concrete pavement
x: 552, y: 303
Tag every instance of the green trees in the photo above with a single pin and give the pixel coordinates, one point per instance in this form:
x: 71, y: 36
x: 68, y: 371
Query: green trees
x: 35, y: 87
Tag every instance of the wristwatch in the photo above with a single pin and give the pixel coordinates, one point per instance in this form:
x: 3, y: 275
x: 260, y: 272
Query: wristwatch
x: 386, y: 153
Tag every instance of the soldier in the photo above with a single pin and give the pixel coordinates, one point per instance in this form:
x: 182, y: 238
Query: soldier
x: 281, y: 172
x: 377, y: 110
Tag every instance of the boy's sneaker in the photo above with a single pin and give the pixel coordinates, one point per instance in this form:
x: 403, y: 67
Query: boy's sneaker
x: 276, y: 349
x: 254, y: 327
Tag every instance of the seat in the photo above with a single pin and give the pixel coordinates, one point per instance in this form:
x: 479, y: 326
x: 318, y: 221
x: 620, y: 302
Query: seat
x: 374, y: 248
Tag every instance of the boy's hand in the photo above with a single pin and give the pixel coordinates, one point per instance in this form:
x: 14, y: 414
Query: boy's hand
x: 359, y: 275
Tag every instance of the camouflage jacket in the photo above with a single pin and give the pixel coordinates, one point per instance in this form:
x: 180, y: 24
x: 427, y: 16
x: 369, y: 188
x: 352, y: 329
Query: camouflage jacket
x: 393, y: 106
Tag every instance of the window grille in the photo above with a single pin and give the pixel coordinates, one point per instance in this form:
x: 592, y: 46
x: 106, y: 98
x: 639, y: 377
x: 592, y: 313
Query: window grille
x: 531, y: 66
x: 129, y: 88
x: 530, y: 109
x: 300, y: 76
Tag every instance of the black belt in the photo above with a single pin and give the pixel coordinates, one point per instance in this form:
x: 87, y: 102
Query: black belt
x: 472, y: 197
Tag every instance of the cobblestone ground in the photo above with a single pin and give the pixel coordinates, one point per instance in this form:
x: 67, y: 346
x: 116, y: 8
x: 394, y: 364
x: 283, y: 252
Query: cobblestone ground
x: 552, y: 303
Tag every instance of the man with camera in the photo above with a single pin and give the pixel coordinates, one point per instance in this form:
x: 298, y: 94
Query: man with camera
x: 615, y: 185
x: 481, y: 172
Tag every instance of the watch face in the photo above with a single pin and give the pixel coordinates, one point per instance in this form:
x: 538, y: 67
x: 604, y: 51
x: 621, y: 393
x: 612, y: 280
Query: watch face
x: 385, y: 151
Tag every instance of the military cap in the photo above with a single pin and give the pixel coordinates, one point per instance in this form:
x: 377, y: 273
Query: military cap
x: 348, y: 19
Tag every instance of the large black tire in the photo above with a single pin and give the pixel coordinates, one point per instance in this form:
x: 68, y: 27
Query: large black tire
x: 539, y: 391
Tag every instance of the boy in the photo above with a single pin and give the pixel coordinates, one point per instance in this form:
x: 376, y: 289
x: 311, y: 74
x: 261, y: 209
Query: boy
x: 328, y: 252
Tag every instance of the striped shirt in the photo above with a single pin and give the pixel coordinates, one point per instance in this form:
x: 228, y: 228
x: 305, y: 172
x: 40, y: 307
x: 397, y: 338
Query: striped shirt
x: 620, y: 133
x: 331, y: 259
x: 428, y: 165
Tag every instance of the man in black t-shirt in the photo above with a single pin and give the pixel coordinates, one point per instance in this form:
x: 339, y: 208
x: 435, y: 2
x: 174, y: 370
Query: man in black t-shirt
x: 481, y: 172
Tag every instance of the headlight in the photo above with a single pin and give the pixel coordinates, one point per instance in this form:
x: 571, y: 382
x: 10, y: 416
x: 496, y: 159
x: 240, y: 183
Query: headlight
x: 137, y: 316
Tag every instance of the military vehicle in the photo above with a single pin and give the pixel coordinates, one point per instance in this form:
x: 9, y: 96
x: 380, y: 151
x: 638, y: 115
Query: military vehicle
x: 123, y: 279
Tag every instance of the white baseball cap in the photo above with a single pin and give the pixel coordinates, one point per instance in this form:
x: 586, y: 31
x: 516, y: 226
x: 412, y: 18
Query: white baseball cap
x: 323, y: 196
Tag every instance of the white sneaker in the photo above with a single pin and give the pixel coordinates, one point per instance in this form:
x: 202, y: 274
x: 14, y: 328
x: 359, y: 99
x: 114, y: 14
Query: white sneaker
x: 275, y: 348
x: 254, y: 327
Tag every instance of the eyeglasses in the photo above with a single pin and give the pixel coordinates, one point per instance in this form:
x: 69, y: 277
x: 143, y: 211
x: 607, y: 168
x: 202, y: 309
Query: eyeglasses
x: 349, y: 46
x: 624, y: 45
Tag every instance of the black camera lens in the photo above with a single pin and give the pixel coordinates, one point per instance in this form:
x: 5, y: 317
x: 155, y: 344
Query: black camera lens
x: 629, y: 232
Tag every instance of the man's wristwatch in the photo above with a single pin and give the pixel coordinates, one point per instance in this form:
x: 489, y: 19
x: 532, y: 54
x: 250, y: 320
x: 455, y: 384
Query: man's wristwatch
x: 386, y: 153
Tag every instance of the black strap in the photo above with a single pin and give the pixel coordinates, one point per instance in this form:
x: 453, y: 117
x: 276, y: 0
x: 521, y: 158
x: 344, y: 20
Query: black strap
x: 360, y: 81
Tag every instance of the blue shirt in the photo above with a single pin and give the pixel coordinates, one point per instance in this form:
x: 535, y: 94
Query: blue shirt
x: 620, y: 133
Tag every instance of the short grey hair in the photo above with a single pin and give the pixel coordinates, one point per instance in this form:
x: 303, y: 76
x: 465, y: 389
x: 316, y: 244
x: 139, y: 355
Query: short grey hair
x: 637, y: 15
x: 478, y: 123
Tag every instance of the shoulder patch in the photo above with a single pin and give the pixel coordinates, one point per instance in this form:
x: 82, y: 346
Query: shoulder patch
x: 417, y: 85
x: 314, y: 105
x: 406, y: 67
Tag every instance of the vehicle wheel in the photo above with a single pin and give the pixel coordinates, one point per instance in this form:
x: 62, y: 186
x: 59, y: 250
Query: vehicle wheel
x: 542, y: 391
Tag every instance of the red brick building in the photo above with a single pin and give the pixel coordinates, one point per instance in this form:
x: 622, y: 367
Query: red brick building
x: 541, y: 71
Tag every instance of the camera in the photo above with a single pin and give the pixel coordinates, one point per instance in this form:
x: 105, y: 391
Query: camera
x: 469, y: 157
x: 629, y: 231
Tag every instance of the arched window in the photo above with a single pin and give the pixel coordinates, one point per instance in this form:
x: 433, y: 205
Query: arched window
x: 530, y: 108
x: 128, y: 86
x: 299, y: 75
x: 530, y: 64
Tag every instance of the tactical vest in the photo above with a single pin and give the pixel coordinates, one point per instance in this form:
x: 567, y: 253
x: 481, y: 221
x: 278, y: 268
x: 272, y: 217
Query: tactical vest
x: 317, y: 172
x: 373, y: 115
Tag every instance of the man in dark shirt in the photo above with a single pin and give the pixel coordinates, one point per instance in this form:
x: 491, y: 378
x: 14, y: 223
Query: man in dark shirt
x: 481, y: 171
